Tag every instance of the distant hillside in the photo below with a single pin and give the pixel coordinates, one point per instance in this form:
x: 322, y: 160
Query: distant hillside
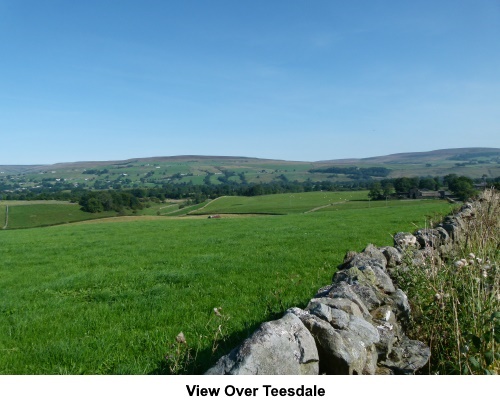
x: 457, y: 154
x: 236, y: 170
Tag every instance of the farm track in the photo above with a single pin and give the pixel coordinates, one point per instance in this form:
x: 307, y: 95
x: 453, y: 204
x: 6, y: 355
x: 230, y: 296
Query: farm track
x: 6, y: 217
x: 324, y: 206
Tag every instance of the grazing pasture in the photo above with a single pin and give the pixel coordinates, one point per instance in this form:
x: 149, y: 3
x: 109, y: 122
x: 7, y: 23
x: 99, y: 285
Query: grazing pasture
x: 110, y: 298
x: 279, y: 204
x: 35, y: 215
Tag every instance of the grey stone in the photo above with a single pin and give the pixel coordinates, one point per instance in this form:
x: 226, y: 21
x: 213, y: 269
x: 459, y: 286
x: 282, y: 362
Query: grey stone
x: 344, y: 290
x: 283, y: 346
x: 387, y: 326
x: 383, y: 280
x: 388, y: 337
x: 407, y: 357
x: 369, y: 257
x: 322, y: 311
x: 353, y: 275
x: 405, y: 240
x: 371, y: 360
x: 336, y: 317
x: 428, y: 237
x: 339, y: 303
x: 370, y: 297
x: 340, y: 351
x: 393, y: 256
x: 418, y: 257
x: 366, y: 332
x: 443, y: 235
x: 401, y: 305
x: 340, y: 319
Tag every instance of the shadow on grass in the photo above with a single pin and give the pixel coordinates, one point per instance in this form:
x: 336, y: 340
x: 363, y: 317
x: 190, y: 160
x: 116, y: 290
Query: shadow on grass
x: 207, y: 358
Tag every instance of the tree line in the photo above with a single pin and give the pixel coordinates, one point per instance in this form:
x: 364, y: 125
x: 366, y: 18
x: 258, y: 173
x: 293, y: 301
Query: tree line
x: 461, y: 186
x: 124, y: 199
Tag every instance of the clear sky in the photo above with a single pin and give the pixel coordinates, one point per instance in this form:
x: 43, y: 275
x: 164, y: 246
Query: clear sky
x: 287, y: 79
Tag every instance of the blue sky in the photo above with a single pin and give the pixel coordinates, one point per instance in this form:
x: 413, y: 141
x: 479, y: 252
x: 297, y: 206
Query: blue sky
x: 296, y: 80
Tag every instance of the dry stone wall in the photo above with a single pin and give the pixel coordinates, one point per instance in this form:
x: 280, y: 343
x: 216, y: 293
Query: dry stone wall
x: 356, y: 324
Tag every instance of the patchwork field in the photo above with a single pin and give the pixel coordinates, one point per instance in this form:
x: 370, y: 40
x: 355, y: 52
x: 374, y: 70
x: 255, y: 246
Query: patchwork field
x: 110, y: 298
x: 198, y: 170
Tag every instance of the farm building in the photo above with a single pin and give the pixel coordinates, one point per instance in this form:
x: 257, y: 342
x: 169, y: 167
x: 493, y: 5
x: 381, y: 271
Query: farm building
x: 415, y: 193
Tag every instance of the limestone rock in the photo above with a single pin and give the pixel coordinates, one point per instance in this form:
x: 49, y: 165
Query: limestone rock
x: 387, y: 326
x: 339, y: 303
x: 365, y: 331
x: 370, y: 256
x: 393, y: 256
x: 405, y: 240
x: 428, y: 237
x: 443, y: 235
x: 340, y: 319
x: 407, y: 357
x: 401, y: 305
x: 383, y: 281
x: 341, y: 351
x: 283, y: 346
x: 344, y: 290
x: 368, y: 295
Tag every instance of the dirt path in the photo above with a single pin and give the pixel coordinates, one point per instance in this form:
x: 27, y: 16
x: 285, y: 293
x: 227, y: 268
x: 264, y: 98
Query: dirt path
x: 324, y: 206
x: 6, y: 217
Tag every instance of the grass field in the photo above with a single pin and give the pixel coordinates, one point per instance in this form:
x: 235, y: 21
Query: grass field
x: 3, y: 213
x: 35, y: 215
x: 110, y: 298
x: 279, y: 203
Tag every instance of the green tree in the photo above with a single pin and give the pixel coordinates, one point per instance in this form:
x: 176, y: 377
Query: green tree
x: 376, y: 191
x: 427, y: 183
x: 463, y: 187
x: 93, y: 205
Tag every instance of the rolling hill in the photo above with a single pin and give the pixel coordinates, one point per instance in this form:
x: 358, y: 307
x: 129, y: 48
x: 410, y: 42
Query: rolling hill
x: 199, y: 170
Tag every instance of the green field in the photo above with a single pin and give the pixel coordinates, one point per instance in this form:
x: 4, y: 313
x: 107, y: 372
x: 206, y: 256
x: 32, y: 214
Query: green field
x: 279, y: 203
x: 35, y: 215
x: 109, y: 298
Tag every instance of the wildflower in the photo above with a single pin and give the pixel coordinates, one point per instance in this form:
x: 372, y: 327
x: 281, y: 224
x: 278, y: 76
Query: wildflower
x: 216, y: 311
x: 180, y: 338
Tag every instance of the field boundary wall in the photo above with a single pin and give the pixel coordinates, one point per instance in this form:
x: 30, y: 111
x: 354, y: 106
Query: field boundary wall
x: 355, y: 325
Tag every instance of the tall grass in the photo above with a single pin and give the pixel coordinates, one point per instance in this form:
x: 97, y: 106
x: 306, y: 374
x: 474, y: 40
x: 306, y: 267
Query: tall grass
x: 456, y: 302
